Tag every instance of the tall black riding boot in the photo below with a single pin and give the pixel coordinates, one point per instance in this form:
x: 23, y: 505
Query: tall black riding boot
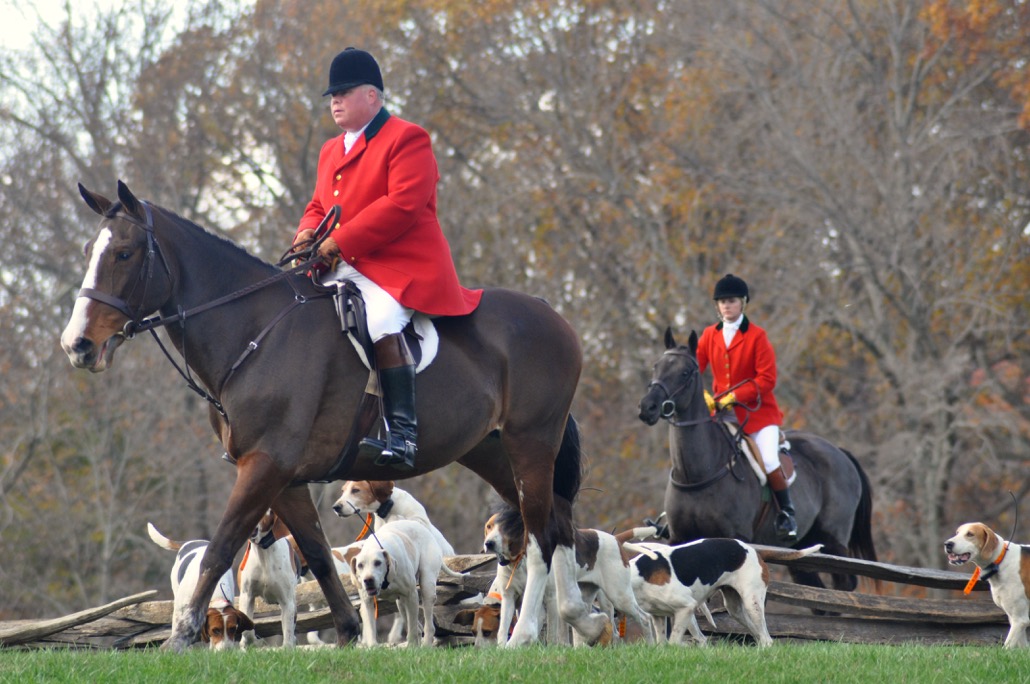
x: 786, y: 526
x: 397, y: 383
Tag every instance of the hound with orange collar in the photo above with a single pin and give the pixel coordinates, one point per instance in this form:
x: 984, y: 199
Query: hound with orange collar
x: 224, y: 624
x: 1006, y: 567
x: 270, y: 569
x: 385, y: 502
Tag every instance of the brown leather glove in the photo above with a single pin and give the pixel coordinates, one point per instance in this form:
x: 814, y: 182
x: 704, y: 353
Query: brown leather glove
x: 303, y: 239
x: 329, y: 251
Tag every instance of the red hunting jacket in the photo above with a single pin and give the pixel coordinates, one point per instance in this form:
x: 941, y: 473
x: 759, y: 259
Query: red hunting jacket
x: 750, y: 357
x: 388, y: 230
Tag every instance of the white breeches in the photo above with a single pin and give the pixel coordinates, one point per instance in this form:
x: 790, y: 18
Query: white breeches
x: 768, y: 441
x: 385, y: 314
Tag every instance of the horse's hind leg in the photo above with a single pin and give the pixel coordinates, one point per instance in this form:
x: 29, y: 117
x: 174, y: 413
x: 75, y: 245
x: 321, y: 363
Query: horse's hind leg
x: 295, y: 507
x: 257, y: 481
x: 589, y: 626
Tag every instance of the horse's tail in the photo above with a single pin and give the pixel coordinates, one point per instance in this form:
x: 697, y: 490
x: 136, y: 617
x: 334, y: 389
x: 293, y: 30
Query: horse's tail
x: 860, y: 545
x: 568, y: 465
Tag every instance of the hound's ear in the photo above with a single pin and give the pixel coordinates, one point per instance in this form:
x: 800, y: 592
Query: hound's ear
x: 670, y: 341
x: 692, y: 343
x: 205, y: 634
x: 464, y: 617
x: 129, y: 201
x: 244, y: 623
x: 97, y: 202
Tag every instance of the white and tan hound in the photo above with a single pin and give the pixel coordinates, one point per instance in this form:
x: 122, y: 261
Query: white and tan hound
x: 399, y: 562
x: 1006, y: 567
x: 386, y: 503
x: 271, y: 569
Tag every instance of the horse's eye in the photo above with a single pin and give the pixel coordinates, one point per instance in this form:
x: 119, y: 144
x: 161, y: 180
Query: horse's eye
x: 123, y: 255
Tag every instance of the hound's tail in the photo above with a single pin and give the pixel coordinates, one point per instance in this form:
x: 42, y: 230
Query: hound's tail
x: 161, y: 540
x: 776, y: 554
x: 447, y: 570
x: 641, y: 533
x: 640, y: 549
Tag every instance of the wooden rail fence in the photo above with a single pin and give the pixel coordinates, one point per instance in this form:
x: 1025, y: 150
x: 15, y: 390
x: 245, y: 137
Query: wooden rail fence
x: 853, y: 617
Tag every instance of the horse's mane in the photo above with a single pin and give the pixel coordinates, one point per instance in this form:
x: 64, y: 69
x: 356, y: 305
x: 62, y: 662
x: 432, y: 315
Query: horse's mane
x: 187, y: 223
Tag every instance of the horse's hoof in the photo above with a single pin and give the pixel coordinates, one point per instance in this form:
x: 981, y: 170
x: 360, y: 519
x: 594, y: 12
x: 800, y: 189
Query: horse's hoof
x: 174, y: 644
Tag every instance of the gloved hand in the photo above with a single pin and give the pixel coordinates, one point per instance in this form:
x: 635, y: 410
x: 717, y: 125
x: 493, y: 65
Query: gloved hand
x: 303, y: 239
x: 709, y: 402
x: 329, y: 251
x: 726, y: 400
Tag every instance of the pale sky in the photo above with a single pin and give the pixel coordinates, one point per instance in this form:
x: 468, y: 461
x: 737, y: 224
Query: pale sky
x: 19, y: 19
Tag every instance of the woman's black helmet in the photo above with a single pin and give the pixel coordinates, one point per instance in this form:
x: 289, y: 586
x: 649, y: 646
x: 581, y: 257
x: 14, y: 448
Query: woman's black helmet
x: 731, y: 286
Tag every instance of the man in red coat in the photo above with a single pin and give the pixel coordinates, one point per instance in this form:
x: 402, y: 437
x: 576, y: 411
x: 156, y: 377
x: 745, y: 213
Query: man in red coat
x: 744, y: 375
x: 383, y: 174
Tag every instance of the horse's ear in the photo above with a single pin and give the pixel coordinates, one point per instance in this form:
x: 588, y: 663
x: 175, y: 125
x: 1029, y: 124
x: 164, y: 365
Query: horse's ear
x: 670, y: 341
x: 692, y: 342
x: 129, y: 201
x: 95, y: 201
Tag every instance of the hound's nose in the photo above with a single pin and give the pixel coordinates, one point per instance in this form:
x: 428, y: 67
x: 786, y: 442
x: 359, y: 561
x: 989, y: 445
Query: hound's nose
x: 338, y: 508
x: 490, y: 546
x: 948, y: 546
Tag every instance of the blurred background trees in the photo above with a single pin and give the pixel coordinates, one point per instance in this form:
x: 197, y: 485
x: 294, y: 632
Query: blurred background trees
x: 863, y: 165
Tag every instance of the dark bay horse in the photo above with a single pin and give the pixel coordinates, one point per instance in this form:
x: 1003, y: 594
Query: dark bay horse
x: 285, y: 388
x: 712, y: 493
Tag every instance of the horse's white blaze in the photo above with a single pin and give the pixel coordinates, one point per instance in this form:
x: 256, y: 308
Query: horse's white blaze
x: 77, y: 323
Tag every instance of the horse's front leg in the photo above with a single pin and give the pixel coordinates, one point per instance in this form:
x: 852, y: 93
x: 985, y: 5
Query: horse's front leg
x: 258, y: 479
x: 295, y: 507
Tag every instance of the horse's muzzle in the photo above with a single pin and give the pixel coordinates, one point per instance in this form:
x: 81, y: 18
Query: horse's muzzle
x: 84, y: 353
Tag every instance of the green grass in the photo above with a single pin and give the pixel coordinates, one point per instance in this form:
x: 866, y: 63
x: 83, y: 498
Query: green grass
x: 723, y: 662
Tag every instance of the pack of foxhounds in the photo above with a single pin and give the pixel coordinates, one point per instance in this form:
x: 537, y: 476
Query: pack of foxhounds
x: 628, y: 577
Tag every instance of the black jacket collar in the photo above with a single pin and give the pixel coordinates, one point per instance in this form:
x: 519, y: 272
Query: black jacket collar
x: 743, y: 324
x: 376, y: 124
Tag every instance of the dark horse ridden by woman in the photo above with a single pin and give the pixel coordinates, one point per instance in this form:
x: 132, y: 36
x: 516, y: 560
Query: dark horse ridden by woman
x: 285, y: 389
x: 712, y: 492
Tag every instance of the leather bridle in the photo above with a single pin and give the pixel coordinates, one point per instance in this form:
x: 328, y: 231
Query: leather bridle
x: 137, y: 323
x: 667, y: 409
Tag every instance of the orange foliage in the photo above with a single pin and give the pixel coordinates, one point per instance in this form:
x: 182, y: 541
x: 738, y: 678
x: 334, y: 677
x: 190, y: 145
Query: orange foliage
x: 980, y: 32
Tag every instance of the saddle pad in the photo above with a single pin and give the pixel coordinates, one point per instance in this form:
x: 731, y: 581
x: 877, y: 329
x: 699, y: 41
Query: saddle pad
x: 429, y: 340
x: 754, y: 458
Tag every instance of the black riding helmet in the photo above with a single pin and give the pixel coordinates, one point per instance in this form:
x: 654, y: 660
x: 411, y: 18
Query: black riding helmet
x: 730, y: 286
x: 352, y: 68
